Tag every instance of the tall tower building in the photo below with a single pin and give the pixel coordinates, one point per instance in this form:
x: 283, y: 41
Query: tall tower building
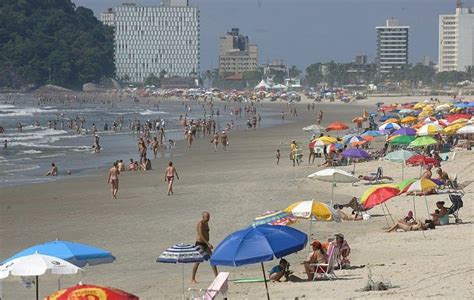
x: 153, y: 39
x: 456, y: 40
x: 236, y: 55
x: 108, y: 17
x: 392, y: 46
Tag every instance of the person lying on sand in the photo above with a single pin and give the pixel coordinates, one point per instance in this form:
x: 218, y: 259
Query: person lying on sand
x: 353, y: 217
x: 417, y: 226
x: 372, y: 178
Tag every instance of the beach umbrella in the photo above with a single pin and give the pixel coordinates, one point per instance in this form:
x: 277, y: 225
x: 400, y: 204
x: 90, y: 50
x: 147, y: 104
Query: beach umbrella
x: 406, y: 111
x: 428, y: 120
x: 75, y: 253
x: 334, y: 147
x: 183, y: 254
x: 378, y: 195
x: 389, y: 126
x: 313, y: 210
x: 274, y: 217
x: 392, y: 120
x: 469, y: 129
x: 429, y: 129
x: 421, y: 186
x: 408, y: 120
x: 355, y: 153
x: 404, y: 131
x: 337, y: 126
x: 258, y: 244
x: 442, y: 123
x: 464, y: 104
x: 373, y: 133
x: 386, y: 117
x: 316, y: 143
x: 89, y: 291
x: 399, y: 156
x: 368, y: 138
x: 356, y: 139
x: 326, y: 140
x: 443, y: 107
x: 417, y: 160
x: 423, y: 141
x: 334, y: 176
x: 452, y: 118
x: 452, y: 129
x: 316, y: 129
x: 402, y: 186
x: 419, y: 105
x: 36, y: 265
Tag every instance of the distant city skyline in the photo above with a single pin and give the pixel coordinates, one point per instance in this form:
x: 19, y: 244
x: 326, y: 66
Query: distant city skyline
x: 301, y: 32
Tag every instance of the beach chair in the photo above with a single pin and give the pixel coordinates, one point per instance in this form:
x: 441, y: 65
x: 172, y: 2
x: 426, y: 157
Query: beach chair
x: 218, y: 286
x: 457, y: 204
x: 326, y: 271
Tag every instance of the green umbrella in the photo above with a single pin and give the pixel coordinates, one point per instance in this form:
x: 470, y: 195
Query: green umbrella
x: 423, y: 141
x: 399, y: 156
x: 403, y: 140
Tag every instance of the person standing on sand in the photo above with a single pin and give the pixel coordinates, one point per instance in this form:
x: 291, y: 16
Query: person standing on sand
x: 278, y: 156
x: 113, y: 180
x: 170, y: 172
x: 224, y: 140
x: 215, y: 141
x: 202, y: 240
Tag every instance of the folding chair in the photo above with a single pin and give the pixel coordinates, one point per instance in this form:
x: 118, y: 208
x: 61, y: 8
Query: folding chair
x: 457, y: 204
x: 218, y: 286
x: 326, y: 270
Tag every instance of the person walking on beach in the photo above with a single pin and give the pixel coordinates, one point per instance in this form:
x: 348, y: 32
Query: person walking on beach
x: 278, y: 156
x: 215, y: 141
x: 170, y: 173
x: 224, y: 140
x: 202, y: 240
x: 113, y: 180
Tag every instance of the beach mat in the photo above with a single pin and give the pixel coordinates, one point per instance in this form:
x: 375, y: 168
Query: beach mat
x: 248, y: 280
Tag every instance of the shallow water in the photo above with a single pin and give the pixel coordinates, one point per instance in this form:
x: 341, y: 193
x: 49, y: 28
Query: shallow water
x: 30, y: 153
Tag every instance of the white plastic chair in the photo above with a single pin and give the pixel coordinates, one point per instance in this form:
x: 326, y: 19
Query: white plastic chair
x: 218, y: 286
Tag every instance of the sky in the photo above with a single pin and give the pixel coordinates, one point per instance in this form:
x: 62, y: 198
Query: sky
x: 302, y: 32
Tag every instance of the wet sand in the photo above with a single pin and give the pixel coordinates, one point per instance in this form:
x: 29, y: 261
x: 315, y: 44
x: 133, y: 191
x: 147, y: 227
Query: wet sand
x: 235, y: 186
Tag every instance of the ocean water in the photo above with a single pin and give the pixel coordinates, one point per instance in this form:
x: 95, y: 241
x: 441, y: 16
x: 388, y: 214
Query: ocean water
x: 30, y: 153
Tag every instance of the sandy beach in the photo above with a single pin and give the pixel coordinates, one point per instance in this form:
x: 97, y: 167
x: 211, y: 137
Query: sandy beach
x: 236, y: 186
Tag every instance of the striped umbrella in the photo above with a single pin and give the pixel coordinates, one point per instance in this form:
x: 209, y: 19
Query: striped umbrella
x: 429, y: 129
x: 378, y: 195
x: 183, y: 254
x: 389, y: 126
x: 274, y: 217
x: 451, y: 129
x: 420, y: 187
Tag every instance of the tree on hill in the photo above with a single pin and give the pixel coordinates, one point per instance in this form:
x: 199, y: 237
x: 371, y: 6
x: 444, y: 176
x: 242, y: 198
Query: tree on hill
x: 52, y: 40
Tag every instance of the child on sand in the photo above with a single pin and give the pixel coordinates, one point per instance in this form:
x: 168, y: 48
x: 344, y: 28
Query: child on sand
x: 278, y: 156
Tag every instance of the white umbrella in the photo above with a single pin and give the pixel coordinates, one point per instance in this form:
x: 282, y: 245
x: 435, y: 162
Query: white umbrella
x: 316, y: 129
x: 333, y: 175
x: 443, y: 107
x: 36, y: 265
x: 429, y: 129
x: 469, y: 129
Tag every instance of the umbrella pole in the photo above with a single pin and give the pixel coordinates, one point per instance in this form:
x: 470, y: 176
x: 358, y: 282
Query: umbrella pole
x: 427, y: 209
x: 37, y: 288
x: 403, y: 169
x: 414, y: 207
x: 182, y: 279
x: 389, y: 213
x: 332, y: 189
x: 265, y: 280
x: 354, y: 171
x: 385, y: 216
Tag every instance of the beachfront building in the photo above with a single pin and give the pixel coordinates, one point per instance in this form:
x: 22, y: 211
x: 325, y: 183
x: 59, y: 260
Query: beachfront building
x: 392, y: 46
x: 456, y: 40
x: 156, y: 39
x: 236, y: 55
x: 108, y: 17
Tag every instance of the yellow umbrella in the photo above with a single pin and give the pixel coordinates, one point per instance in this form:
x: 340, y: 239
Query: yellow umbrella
x: 451, y: 129
x: 409, y: 119
x: 327, y: 140
x: 391, y: 120
x: 419, y: 105
x: 459, y: 121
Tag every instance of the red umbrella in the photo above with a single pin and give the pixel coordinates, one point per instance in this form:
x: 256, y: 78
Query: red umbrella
x: 337, y: 126
x: 452, y: 118
x: 419, y: 159
x: 88, y: 291
x: 378, y: 195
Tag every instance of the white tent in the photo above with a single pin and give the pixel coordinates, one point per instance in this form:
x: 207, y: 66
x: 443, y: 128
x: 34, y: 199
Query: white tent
x: 262, y: 84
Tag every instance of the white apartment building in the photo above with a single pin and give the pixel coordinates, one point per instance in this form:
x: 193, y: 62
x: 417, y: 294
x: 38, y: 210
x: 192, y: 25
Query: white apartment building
x: 108, y: 17
x: 152, y: 39
x: 392, y: 46
x: 456, y: 40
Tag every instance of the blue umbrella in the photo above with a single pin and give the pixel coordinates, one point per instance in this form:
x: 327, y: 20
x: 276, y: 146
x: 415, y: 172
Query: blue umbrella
x: 258, y: 244
x: 386, y: 117
x: 373, y: 133
x: 75, y: 253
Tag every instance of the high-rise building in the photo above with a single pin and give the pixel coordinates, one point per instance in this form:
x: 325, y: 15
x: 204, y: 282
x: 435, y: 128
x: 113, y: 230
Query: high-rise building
x: 392, y: 46
x: 236, y: 55
x: 156, y: 39
x: 456, y: 40
x: 108, y: 17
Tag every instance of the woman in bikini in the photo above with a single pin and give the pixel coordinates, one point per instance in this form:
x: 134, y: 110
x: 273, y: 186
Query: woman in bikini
x: 113, y: 180
x: 170, y: 172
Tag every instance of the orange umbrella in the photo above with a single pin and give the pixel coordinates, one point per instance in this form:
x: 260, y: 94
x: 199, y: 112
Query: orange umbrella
x: 416, y: 126
x: 88, y: 291
x: 368, y: 138
x: 391, y: 120
x: 337, y: 126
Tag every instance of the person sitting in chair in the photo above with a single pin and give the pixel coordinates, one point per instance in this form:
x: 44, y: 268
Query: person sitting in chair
x: 441, y: 215
x: 282, y: 269
x: 343, y: 251
x: 442, y: 175
x: 318, y: 256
